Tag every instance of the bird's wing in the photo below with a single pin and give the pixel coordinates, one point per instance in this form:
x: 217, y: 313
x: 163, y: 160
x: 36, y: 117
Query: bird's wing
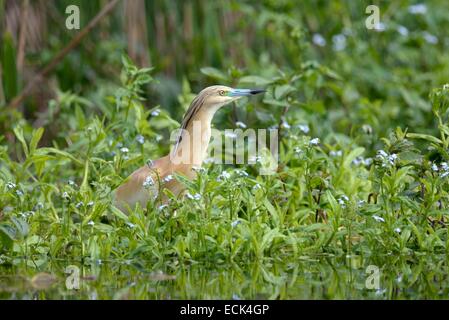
x: 145, y: 183
x: 140, y: 187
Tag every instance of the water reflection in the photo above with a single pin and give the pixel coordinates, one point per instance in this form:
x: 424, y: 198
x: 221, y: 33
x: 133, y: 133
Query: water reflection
x: 350, y: 277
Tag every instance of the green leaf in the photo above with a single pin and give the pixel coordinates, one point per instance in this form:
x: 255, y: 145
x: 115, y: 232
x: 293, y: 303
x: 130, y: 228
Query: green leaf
x: 256, y: 80
x: 18, y: 131
x: 37, y: 135
x: 214, y: 73
x: 424, y: 137
x: 119, y: 214
x: 128, y: 64
x: 280, y: 92
x: 61, y: 153
x: 21, y: 226
x: 315, y: 227
x: 272, y: 210
x: 276, y: 103
x: 84, y: 184
x: 7, y: 235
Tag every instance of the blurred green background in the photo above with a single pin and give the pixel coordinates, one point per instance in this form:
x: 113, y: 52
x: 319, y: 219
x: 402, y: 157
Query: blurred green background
x: 377, y: 78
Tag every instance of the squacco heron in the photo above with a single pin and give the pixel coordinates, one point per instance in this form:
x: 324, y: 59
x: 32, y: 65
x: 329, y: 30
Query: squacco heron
x: 146, y: 183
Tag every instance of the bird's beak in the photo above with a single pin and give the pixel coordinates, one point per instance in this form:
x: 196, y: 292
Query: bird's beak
x: 244, y: 92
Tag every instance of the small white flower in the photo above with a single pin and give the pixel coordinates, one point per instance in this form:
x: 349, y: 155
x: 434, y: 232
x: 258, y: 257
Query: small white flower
x: 403, y: 31
x: 358, y: 160
x: 368, y: 162
x: 196, y: 196
x: 397, y: 230
x: 343, y: 200
x: 381, y: 154
x: 242, y: 173
x: 333, y: 153
x: 235, y: 297
x: 434, y: 167
x: 26, y: 214
x: 361, y: 203
x: 304, y: 128
x: 319, y: 40
x: 155, y: 113
x: 91, y: 223
x: 10, y: 185
x: 90, y: 204
x: 168, y: 178
x: 430, y: 38
x: 314, y: 141
x: 235, y: 223
x: 339, y: 42
x: 149, y: 182
x: 71, y: 183
x: 240, y: 124
x: 419, y: 8
x: 140, y: 139
x: 131, y: 225
x: 297, y: 150
x: 257, y: 187
x: 444, y: 174
x: 124, y: 150
x: 285, y: 125
x: 199, y: 169
x: 224, y: 176
x: 380, y: 292
x: 446, y: 86
x: 444, y: 166
x: 65, y: 195
x: 378, y: 219
x: 392, y: 158
x: 79, y: 204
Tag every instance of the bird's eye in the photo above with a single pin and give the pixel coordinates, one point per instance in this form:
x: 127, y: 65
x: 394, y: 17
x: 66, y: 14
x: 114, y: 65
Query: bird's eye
x: 221, y: 92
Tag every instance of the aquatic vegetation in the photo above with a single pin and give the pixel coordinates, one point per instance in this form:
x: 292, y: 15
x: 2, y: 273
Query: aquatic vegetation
x: 363, y: 175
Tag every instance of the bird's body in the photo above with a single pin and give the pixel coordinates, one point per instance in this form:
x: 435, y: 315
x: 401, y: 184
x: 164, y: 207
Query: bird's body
x: 146, y: 183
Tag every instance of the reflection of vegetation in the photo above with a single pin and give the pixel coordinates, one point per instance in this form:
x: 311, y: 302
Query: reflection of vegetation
x: 363, y: 154
x: 306, y: 278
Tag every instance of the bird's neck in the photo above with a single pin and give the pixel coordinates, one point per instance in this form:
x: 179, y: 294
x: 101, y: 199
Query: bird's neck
x: 192, y: 150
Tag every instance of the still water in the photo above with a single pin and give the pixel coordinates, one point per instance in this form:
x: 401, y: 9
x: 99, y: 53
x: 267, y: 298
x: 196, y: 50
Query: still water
x: 323, y: 277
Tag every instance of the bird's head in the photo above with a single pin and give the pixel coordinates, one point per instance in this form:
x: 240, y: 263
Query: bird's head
x: 218, y: 96
x: 208, y: 101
